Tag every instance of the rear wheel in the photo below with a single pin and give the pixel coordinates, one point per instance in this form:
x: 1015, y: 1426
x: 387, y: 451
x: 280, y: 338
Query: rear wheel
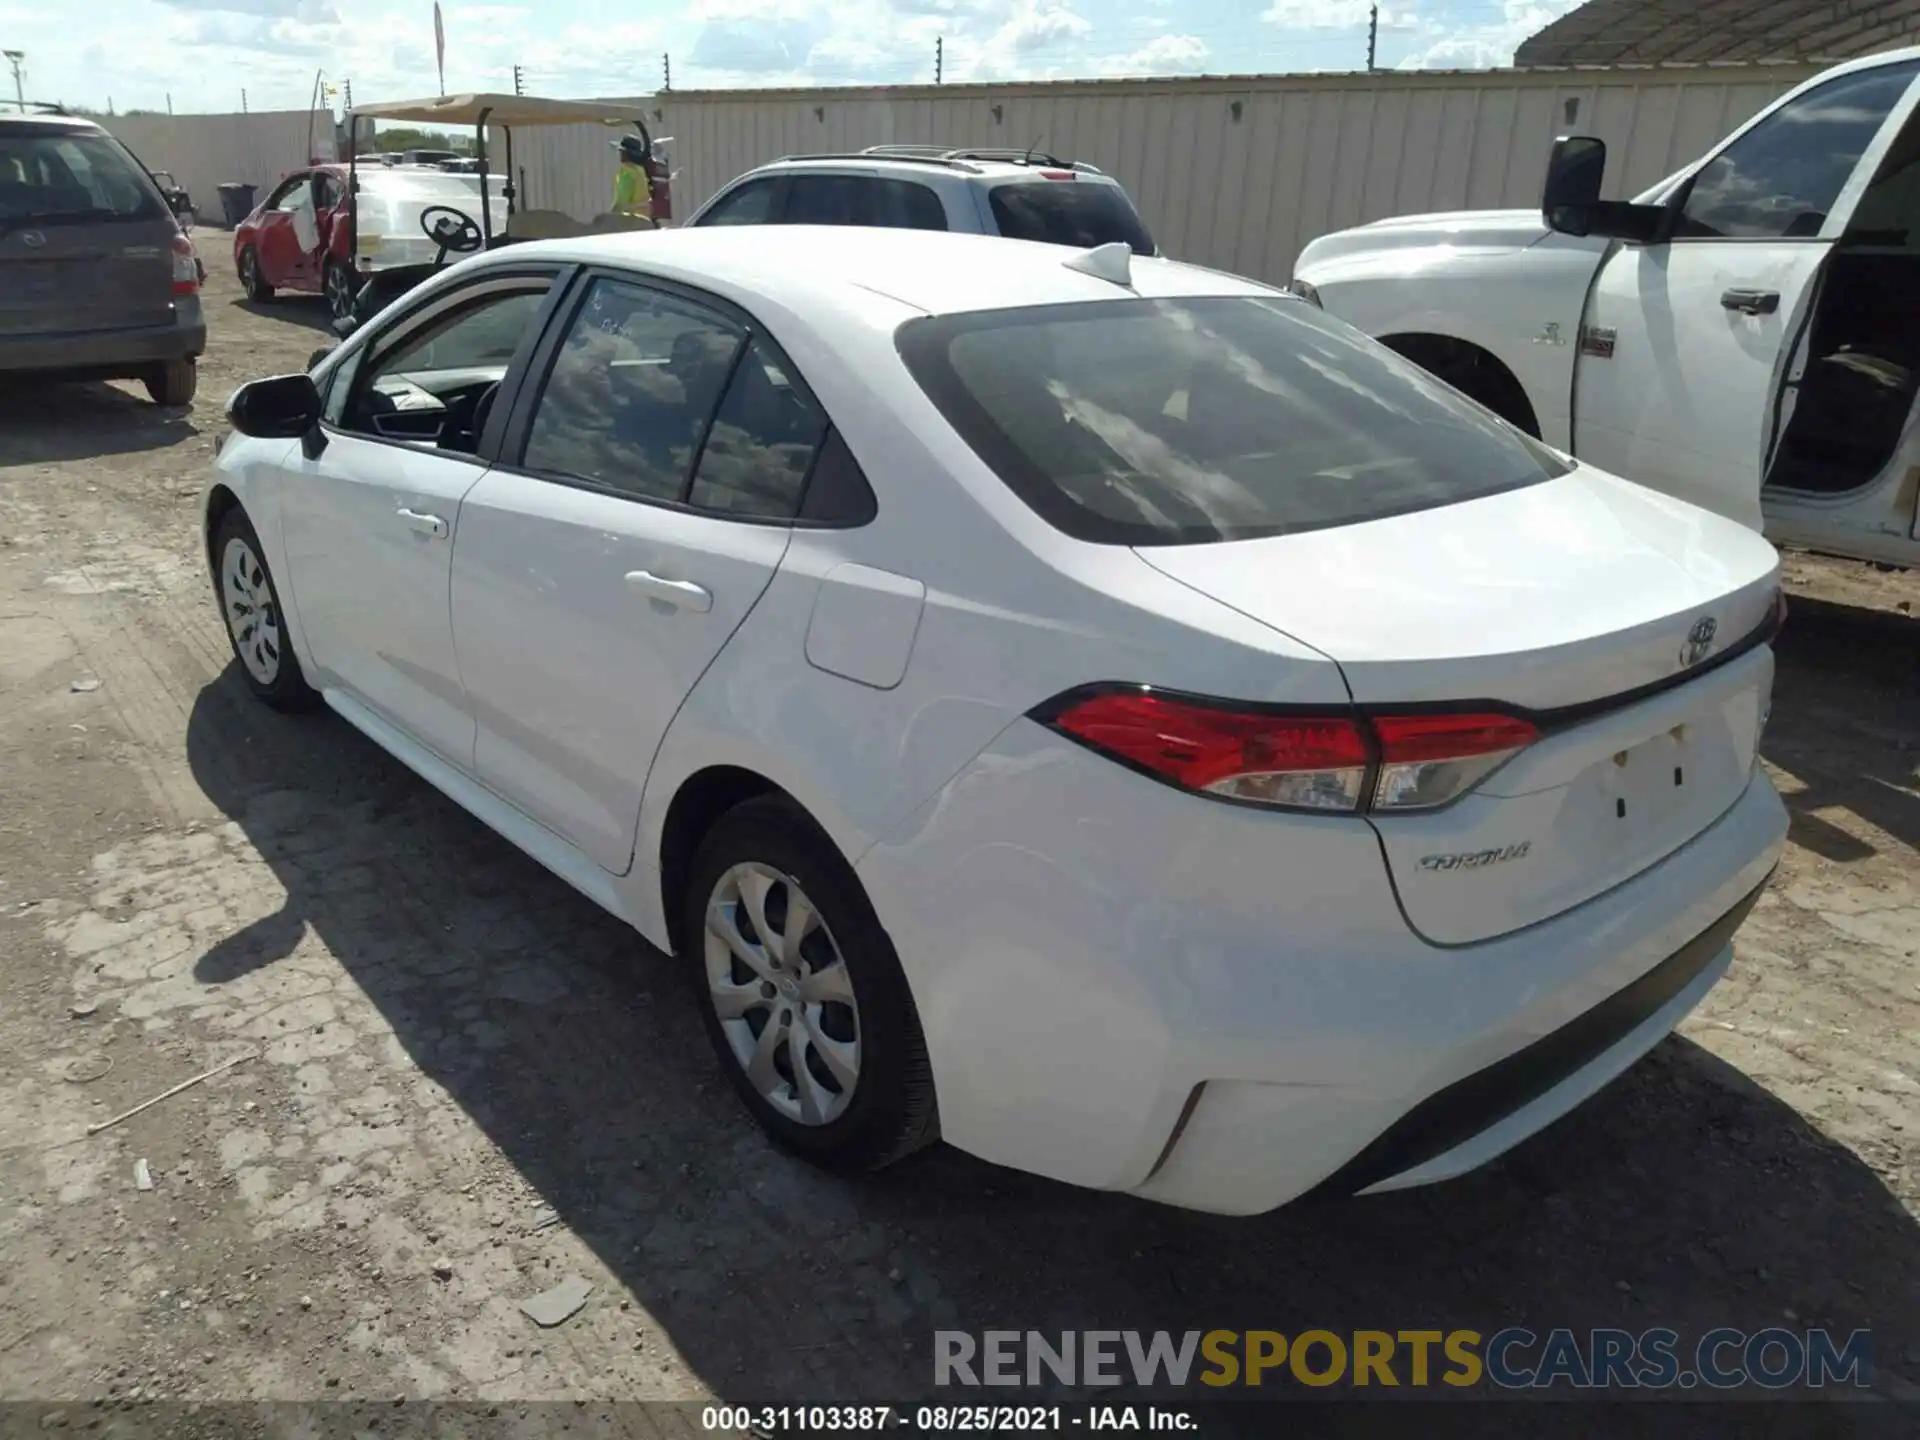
x: 802, y: 995
x: 172, y: 383
x: 340, y: 289
x: 251, y: 607
x: 250, y: 278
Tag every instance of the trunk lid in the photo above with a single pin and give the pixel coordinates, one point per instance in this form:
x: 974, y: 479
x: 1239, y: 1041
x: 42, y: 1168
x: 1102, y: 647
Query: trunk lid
x: 1561, y: 600
x: 89, y: 276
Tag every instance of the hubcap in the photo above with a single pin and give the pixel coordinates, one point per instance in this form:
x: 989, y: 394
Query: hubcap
x: 252, y: 618
x: 248, y: 269
x: 339, y: 292
x: 780, y: 986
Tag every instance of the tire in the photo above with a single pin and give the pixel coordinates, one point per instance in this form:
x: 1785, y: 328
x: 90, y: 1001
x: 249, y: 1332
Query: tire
x: 887, y: 1111
x: 244, y: 589
x: 172, y: 383
x: 250, y: 281
x: 340, y: 290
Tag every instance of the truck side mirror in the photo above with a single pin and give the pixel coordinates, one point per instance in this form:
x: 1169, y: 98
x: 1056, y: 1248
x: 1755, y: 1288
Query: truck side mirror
x: 1574, y: 171
x: 1570, y: 200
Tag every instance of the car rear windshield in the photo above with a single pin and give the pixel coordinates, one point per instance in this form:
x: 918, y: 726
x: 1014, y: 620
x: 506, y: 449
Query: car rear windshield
x: 1173, y: 422
x: 1068, y: 212
x: 53, y: 177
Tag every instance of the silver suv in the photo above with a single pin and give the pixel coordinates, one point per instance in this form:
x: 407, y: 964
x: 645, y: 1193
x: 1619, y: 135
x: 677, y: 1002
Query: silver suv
x: 97, y: 280
x: 1021, y: 194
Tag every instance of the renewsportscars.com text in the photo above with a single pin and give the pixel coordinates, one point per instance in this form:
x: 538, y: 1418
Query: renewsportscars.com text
x: 1513, y: 1358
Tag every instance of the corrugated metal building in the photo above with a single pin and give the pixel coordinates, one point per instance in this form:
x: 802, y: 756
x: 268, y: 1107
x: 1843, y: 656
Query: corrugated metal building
x: 1619, y: 32
x: 1234, y: 172
x: 205, y: 151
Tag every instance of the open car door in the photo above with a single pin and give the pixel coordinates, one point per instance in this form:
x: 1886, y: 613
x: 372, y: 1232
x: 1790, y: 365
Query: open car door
x: 1686, y: 342
x: 1844, y: 471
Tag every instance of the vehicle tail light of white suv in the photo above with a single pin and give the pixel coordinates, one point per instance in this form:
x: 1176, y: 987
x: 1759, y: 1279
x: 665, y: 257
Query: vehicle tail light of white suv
x: 186, y: 265
x: 1291, y: 760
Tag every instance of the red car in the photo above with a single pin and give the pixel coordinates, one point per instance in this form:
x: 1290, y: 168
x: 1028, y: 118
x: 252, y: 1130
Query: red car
x: 268, y: 248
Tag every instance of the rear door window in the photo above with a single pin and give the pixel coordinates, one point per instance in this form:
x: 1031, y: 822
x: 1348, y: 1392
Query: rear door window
x: 1068, y: 212
x: 632, y: 391
x: 903, y: 205
x: 756, y: 458
x: 1167, y: 422
x: 750, y: 204
x: 823, y: 200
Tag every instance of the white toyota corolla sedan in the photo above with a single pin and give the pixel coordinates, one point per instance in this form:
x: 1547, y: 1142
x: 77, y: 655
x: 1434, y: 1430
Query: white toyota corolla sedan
x: 1099, y: 711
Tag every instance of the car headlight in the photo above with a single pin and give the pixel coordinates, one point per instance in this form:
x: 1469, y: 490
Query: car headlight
x: 1308, y: 293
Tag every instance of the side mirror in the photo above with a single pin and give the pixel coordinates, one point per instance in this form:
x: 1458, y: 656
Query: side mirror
x: 284, y: 407
x: 1574, y: 171
x: 1570, y: 200
x: 345, y: 325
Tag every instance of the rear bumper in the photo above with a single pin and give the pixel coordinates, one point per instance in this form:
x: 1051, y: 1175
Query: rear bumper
x: 1217, y: 1007
x: 106, y: 352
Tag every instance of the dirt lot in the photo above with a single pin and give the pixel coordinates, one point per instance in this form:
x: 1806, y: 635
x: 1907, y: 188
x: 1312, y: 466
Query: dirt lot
x: 468, y: 1083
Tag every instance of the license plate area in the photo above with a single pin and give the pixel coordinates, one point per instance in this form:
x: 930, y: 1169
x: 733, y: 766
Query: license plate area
x: 1647, y: 783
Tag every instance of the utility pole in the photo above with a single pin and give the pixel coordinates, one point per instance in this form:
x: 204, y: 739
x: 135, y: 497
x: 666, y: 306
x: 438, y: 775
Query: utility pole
x: 346, y: 93
x: 16, y: 58
x: 518, y: 87
x: 939, y: 57
x: 666, y: 72
x: 169, y: 103
x: 1373, y: 33
x: 243, y: 102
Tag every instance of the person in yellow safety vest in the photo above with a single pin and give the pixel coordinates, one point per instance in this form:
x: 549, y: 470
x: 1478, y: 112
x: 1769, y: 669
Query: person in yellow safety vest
x: 632, y: 190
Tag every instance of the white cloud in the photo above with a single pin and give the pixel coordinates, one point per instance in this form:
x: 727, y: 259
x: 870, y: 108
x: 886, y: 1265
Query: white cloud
x: 1163, y: 55
x: 1481, y: 47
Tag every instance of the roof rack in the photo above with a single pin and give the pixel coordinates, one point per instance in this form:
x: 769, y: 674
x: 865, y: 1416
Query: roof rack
x: 883, y: 153
x: 1012, y: 154
x: 39, y: 107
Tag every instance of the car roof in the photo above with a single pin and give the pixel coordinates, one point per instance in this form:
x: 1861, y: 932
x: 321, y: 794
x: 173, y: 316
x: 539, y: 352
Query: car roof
x: 959, y: 164
x: 64, y: 124
x: 831, y: 267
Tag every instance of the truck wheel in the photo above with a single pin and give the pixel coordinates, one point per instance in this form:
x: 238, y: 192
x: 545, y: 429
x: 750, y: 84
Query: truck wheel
x: 172, y: 383
x: 250, y: 281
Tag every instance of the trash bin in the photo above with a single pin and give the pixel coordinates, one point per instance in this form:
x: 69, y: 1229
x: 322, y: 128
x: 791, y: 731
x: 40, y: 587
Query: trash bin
x: 236, y: 203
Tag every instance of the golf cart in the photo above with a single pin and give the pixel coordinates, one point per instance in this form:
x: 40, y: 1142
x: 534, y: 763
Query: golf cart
x: 391, y: 264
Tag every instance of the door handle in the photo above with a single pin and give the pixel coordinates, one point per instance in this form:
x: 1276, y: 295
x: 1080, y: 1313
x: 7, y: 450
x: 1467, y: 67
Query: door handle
x: 681, y: 593
x: 425, y: 524
x: 1750, y: 302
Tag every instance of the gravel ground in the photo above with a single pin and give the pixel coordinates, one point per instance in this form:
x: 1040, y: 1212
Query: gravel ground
x: 467, y: 1084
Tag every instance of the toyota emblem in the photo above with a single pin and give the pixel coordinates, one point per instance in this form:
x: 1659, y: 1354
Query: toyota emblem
x: 32, y: 239
x: 1699, y: 641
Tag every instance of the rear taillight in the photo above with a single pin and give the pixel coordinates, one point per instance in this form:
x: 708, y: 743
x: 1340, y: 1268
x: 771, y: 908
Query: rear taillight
x: 1057, y: 175
x: 186, y: 266
x: 1298, y: 761
x: 1428, y: 760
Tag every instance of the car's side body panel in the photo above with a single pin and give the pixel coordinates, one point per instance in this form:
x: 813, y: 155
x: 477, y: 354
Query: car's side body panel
x: 1501, y: 282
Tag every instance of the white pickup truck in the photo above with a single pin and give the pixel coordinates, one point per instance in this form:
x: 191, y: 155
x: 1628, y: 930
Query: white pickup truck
x: 1746, y: 335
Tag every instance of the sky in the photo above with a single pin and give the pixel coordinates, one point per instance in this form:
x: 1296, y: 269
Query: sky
x: 199, y: 55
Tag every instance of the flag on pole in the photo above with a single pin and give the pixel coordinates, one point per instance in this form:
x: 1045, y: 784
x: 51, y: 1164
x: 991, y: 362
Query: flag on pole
x: 440, y: 46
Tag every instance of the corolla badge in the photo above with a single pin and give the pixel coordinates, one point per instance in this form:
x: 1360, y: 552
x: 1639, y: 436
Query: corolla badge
x: 32, y: 239
x: 1476, y: 859
x: 1699, y: 641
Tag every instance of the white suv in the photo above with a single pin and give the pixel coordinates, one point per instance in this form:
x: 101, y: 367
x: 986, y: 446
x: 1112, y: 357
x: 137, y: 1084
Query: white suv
x: 1021, y: 194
